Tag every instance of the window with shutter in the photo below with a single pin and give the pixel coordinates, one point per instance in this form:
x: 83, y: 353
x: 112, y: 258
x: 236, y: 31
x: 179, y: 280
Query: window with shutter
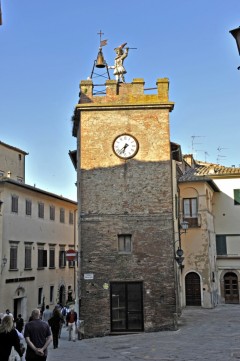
x: 14, y: 204
x: 236, y: 197
x: 190, y: 211
x: 13, y: 257
x: 28, y: 257
x: 221, y: 245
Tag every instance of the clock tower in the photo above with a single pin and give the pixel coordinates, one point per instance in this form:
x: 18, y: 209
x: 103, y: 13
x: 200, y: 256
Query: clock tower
x: 126, y: 226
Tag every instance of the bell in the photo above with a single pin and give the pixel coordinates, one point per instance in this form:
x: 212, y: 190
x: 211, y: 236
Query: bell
x: 100, y: 62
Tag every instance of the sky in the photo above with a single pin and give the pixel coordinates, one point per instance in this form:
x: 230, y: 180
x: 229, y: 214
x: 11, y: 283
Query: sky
x: 47, y: 47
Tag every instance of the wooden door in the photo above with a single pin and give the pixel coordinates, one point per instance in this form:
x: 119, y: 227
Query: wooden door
x: 192, y: 289
x: 231, y: 293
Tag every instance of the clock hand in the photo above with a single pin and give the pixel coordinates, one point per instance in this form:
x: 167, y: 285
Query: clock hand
x: 123, y: 149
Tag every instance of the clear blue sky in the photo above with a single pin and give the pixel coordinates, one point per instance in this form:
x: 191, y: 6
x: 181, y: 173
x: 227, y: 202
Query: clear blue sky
x: 47, y: 47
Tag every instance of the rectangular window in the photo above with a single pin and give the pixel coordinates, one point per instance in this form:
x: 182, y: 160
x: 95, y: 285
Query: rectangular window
x: 28, y: 257
x: 190, y: 211
x: 62, y: 258
x: 51, y: 295
x: 71, y: 264
x: 62, y: 215
x: 52, y: 213
x: 52, y: 257
x: 28, y: 207
x: 125, y: 243
x: 13, y: 257
x: 14, y: 204
x: 41, y: 210
x: 40, y: 296
x: 42, y: 258
x: 70, y: 217
x: 236, y: 197
x: 221, y: 245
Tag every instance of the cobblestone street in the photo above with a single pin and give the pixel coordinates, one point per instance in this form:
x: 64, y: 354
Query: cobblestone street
x: 204, y: 334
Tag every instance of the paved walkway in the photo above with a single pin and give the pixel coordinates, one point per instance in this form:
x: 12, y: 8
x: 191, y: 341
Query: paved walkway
x: 203, y: 335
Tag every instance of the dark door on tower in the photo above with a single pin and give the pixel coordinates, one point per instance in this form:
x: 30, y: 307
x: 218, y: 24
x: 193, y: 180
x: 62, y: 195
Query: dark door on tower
x: 193, y: 290
x: 231, y: 288
x: 126, y: 306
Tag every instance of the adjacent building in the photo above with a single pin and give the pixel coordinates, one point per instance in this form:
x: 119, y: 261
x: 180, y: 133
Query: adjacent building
x: 209, y: 202
x: 226, y: 209
x: 36, y: 230
x: 199, y: 270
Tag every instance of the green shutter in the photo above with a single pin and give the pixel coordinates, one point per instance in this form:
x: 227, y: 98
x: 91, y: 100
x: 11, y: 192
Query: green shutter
x: 236, y: 197
x: 221, y: 245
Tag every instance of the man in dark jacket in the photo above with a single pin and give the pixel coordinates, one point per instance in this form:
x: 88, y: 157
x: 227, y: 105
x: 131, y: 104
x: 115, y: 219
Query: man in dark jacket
x: 19, y: 323
x: 71, y: 321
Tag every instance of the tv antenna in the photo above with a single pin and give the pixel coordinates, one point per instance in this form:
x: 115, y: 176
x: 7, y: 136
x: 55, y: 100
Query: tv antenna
x: 219, y: 156
x: 193, y: 141
x: 205, y: 154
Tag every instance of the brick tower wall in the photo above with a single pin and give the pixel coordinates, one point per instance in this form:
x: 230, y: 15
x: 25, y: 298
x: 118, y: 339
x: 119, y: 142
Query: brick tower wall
x: 131, y: 196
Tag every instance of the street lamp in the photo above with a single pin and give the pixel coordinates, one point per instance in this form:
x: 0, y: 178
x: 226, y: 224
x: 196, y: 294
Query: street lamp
x: 236, y: 34
x: 179, y: 253
x: 3, y: 264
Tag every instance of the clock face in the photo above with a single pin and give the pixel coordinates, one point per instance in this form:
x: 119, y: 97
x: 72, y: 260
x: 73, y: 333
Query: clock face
x: 125, y: 146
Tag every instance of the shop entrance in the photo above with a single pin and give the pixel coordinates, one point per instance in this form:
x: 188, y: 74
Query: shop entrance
x: 126, y: 306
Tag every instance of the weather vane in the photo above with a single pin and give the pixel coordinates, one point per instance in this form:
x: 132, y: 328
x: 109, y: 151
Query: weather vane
x: 118, y: 67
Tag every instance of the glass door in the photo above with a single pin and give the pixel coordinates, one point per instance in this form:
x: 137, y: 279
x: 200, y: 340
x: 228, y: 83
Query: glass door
x: 126, y: 307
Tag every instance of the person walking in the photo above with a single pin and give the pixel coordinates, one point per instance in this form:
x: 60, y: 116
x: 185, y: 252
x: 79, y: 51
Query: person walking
x: 71, y: 320
x: 55, y: 323
x: 9, y: 338
x: 19, y: 323
x: 47, y: 313
x: 7, y: 313
x: 38, y: 336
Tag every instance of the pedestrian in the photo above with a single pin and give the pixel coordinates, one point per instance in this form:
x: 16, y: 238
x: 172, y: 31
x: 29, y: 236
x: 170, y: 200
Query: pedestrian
x: 19, y: 323
x: 7, y: 313
x: 38, y: 336
x: 47, y: 313
x: 1, y: 317
x: 9, y: 338
x: 71, y: 320
x: 55, y: 323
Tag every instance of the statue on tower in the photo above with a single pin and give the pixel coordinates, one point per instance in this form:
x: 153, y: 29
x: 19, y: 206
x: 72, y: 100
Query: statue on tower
x: 118, y: 67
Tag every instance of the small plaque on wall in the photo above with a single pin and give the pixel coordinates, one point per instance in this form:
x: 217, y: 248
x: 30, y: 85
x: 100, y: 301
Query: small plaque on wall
x: 88, y: 276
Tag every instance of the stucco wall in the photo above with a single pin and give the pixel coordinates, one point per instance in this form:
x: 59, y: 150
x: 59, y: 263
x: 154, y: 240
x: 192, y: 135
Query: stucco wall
x: 23, y: 229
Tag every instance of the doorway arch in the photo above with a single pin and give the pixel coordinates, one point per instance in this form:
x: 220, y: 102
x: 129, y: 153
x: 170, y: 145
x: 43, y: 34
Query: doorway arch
x: 193, y: 289
x: 62, y: 295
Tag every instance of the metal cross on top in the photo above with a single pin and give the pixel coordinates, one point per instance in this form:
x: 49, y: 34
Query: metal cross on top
x: 102, y: 42
x: 100, y: 33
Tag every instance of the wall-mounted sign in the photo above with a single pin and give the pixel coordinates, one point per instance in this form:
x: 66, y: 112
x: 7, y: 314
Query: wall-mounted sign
x: 71, y: 255
x: 88, y: 276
